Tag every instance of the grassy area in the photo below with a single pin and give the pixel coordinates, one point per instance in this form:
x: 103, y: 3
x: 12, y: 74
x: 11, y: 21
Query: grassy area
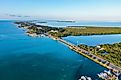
x: 76, y: 31
x: 109, y: 52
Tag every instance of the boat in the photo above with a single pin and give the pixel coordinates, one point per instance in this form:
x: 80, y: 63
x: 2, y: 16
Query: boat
x: 85, y: 78
x: 107, y: 75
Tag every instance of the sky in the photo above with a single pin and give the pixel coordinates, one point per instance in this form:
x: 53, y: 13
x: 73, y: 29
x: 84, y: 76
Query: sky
x: 92, y: 10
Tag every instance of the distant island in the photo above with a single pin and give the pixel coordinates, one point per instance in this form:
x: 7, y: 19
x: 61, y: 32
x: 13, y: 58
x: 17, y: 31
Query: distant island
x: 42, y: 22
x: 66, y: 21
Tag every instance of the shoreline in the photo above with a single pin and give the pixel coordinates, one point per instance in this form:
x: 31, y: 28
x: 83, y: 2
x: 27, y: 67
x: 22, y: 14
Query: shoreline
x: 73, y: 47
x: 70, y: 45
x: 90, y: 56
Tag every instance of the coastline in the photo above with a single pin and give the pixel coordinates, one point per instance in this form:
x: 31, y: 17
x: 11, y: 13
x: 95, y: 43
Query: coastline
x: 80, y: 51
x: 70, y: 45
x: 110, y: 66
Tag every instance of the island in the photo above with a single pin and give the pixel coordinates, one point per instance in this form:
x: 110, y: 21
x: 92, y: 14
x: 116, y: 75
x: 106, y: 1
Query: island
x: 107, y: 55
x: 67, y: 21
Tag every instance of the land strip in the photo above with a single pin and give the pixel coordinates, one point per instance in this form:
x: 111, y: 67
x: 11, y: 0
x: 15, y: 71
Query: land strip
x: 57, y: 33
x: 83, y: 30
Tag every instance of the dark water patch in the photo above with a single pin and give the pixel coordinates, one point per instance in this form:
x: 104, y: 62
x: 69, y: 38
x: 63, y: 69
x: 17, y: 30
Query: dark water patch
x: 89, y: 71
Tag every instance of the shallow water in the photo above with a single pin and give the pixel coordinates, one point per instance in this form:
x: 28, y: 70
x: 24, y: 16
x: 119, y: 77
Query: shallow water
x: 94, y: 40
x: 27, y: 58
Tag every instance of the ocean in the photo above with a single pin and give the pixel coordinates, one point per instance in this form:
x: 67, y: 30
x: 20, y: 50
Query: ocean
x: 27, y: 58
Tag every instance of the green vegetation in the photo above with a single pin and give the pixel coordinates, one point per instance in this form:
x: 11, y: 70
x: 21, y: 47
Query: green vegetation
x: 38, y: 29
x: 76, y: 31
x: 68, y: 31
x: 109, y: 52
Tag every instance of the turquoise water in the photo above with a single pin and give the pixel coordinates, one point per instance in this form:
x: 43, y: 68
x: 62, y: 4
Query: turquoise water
x: 27, y: 58
x: 94, y: 40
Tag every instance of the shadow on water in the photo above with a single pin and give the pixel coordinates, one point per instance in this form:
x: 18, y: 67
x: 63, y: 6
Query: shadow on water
x: 90, y: 71
x: 77, y: 74
x: 119, y: 77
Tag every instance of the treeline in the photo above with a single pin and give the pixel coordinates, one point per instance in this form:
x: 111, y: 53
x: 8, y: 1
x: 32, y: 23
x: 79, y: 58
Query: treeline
x: 109, y: 52
x: 76, y: 31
